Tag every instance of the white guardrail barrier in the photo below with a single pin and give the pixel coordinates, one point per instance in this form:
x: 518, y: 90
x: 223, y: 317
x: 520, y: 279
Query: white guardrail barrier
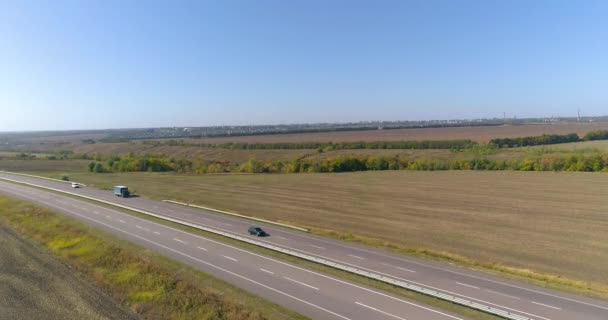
x: 371, y: 275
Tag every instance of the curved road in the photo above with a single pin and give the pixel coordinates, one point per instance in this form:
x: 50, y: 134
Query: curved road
x: 531, y: 301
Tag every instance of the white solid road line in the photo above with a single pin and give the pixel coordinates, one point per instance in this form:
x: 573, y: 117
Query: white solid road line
x: 302, y: 283
x: 414, y: 282
x: 202, y: 248
x: 385, y: 313
x: 213, y: 266
x: 503, y: 294
x: 266, y: 258
x: 546, y: 305
x: 356, y: 257
x: 264, y: 270
x: 230, y: 258
x: 312, y: 245
x: 466, y: 285
x: 400, y: 268
x: 178, y: 240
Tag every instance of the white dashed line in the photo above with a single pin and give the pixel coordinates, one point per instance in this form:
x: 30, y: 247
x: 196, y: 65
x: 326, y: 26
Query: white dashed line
x: 312, y: 245
x: 121, y: 221
x: 155, y: 232
x: 400, y: 268
x: 503, y: 294
x: 467, y: 285
x: 264, y: 270
x: 356, y: 257
x: 202, y: 248
x: 178, y: 240
x: 384, y: 313
x: 229, y: 258
x: 302, y: 283
x: 546, y: 305
x: 281, y: 237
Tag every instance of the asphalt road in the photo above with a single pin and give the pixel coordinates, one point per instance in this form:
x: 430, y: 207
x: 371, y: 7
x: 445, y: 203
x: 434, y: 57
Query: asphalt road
x: 531, y: 301
x: 315, y: 295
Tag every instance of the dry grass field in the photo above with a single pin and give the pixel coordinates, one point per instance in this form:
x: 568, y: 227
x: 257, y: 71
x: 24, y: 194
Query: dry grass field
x: 547, y: 222
x: 480, y: 134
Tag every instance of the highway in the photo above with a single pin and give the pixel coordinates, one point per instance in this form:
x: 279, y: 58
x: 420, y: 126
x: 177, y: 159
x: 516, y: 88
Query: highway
x: 312, y: 294
x: 521, y: 298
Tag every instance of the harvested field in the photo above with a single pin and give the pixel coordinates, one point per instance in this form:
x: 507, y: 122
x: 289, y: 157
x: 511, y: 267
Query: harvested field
x: 545, y: 221
x: 479, y: 134
x: 34, y: 285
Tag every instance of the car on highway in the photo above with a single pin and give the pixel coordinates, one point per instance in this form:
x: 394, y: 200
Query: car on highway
x: 76, y: 185
x: 257, y: 231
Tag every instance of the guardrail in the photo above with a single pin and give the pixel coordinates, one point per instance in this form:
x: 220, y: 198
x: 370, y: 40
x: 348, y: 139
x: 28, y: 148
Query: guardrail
x: 371, y: 275
x: 238, y: 215
x: 40, y: 177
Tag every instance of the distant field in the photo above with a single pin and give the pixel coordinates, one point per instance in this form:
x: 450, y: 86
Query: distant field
x: 545, y: 221
x: 480, y: 134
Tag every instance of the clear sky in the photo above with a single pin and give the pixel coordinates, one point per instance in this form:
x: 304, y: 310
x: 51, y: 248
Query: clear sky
x: 108, y: 64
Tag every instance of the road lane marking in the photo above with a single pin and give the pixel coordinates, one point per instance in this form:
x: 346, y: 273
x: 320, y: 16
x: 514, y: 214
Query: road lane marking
x: 546, y: 305
x: 140, y: 227
x: 356, y: 257
x: 281, y: 237
x: 466, y: 285
x: 228, y: 224
x: 312, y: 245
x: 503, y: 294
x: 383, y: 312
x: 301, y: 283
x: 178, y: 240
x: 155, y: 232
x: 264, y: 270
x: 121, y: 221
x: 214, y: 266
x: 263, y: 257
x: 95, y: 212
x: 202, y: 248
x: 400, y: 268
x: 108, y: 217
x: 230, y: 258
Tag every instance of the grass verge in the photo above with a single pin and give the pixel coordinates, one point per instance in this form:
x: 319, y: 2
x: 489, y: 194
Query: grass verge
x: 154, y: 287
x: 552, y: 281
x: 387, y: 288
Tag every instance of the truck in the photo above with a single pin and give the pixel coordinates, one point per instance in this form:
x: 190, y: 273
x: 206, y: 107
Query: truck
x: 121, y: 191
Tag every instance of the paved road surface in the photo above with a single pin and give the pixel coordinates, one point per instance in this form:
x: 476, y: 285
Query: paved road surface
x: 315, y: 295
x: 534, y: 302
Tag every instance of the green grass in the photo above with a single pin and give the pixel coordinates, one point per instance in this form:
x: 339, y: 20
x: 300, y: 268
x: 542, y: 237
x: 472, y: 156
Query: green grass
x: 152, y: 286
x: 470, y: 313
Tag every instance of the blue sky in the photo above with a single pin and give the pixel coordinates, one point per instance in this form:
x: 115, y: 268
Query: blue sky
x: 112, y: 64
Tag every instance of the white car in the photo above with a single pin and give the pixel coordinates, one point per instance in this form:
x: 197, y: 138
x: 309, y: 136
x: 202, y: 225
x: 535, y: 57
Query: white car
x: 75, y: 185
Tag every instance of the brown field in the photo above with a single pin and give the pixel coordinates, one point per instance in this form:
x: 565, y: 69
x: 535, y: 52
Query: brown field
x: 37, y: 286
x: 480, y: 134
x: 545, y: 221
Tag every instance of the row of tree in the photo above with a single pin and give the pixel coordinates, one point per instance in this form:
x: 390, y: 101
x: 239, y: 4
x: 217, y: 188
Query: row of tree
x: 430, y: 144
x: 547, y: 139
x: 577, y: 162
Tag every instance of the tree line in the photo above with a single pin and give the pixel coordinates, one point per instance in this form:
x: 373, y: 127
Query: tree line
x: 426, y: 144
x: 547, y: 139
x: 577, y: 162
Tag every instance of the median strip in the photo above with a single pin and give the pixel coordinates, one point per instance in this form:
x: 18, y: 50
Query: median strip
x: 402, y: 284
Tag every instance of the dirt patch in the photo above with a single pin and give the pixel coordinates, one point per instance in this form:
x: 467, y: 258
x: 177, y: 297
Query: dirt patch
x: 34, y: 285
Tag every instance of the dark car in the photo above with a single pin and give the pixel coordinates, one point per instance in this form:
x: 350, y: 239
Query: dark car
x: 257, y: 231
